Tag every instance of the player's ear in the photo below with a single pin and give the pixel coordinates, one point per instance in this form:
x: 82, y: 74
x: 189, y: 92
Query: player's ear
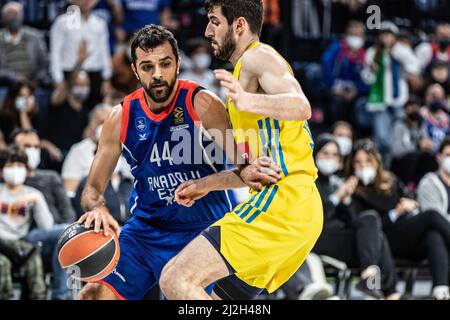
x: 133, y: 67
x: 241, y: 25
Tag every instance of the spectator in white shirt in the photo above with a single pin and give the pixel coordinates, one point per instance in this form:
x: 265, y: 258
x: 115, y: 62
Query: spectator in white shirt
x: 68, y: 34
x: 80, y: 157
x: 21, y: 207
x: 439, y: 49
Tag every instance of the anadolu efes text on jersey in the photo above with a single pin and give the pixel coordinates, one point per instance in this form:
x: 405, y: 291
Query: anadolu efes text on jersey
x: 165, y: 149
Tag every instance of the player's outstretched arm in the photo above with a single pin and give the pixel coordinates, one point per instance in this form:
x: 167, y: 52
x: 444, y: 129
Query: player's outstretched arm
x: 262, y: 170
x: 105, y: 161
x: 283, y: 97
x: 212, y: 113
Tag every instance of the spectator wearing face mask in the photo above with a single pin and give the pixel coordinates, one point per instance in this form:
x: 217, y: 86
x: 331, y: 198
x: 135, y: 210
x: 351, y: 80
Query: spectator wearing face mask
x: 21, y: 206
x: 51, y: 186
x: 80, y: 40
x: 435, y: 116
x: 68, y: 115
x: 80, y: 156
x: 413, y: 234
x: 411, y: 146
x: 433, y: 192
x: 389, y: 65
x: 23, y: 52
x: 341, y: 66
x: 343, y: 133
x: 358, y: 240
x: 439, y: 75
x: 428, y: 52
x: 47, y: 181
x: 19, y: 109
x: 199, y: 54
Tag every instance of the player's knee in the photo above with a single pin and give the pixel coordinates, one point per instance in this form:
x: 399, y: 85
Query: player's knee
x: 167, y: 281
x: 93, y: 291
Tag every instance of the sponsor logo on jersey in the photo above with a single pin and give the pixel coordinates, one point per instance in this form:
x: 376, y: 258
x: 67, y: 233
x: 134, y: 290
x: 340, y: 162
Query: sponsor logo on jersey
x: 180, y: 127
x: 141, y: 124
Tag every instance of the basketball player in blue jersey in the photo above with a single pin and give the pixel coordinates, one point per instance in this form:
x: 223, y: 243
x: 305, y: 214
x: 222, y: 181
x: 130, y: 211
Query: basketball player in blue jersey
x: 142, y: 128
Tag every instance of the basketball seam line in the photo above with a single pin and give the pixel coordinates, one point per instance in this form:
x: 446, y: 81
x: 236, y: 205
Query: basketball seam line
x: 112, y: 261
x: 112, y: 238
x: 90, y: 254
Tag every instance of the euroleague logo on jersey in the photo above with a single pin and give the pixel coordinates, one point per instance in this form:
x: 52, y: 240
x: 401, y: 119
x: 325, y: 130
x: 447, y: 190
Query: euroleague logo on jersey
x: 178, y: 115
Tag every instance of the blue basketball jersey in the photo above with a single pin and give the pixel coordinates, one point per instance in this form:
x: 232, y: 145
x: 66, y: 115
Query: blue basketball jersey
x: 163, y: 150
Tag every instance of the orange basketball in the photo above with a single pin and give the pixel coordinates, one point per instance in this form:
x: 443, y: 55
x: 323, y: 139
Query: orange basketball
x: 88, y: 255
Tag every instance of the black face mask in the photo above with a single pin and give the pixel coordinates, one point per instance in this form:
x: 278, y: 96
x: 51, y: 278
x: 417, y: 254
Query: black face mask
x: 443, y: 44
x: 14, y: 24
x: 435, y: 106
x: 415, y: 117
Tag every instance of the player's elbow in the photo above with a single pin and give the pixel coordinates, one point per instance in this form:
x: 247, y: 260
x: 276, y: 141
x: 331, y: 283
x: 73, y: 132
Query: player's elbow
x: 304, y: 109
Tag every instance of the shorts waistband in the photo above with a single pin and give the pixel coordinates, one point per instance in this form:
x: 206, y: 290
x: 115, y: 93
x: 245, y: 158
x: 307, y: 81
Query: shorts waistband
x: 175, y: 227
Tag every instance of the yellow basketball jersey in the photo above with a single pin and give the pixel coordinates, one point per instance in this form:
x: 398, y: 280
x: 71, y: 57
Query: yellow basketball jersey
x: 288, y: 143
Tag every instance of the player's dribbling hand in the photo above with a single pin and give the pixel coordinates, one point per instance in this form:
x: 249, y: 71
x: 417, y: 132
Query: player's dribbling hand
x: 189, y: 191
x: 241, y: 99
x: 101, y: 217
x: 261, y: 172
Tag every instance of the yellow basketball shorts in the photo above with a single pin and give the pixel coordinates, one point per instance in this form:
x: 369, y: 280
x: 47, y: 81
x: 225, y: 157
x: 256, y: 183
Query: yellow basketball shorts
x: 268, y: 237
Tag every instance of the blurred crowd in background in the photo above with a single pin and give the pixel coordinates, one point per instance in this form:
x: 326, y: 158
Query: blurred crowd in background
x: 381, y: 107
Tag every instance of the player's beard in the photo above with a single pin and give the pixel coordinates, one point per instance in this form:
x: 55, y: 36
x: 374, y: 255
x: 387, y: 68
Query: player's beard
x: 164, y: 94
x: 225, y: 51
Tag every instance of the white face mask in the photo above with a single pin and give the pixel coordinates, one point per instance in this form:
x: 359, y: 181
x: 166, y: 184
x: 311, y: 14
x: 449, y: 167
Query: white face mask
x: 14, y: 175
x: 327, y: 166
x: 34, y: 157
x: 446, y: 165
x: 80, y: 93
x: 354, y: 42
x: 366, y: 175
x: 201, y: 60
x: 21, y: 103
x: 345, y: 145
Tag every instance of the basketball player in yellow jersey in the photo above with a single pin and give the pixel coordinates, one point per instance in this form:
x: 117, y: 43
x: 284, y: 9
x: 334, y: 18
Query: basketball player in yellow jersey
x: 266, y: 238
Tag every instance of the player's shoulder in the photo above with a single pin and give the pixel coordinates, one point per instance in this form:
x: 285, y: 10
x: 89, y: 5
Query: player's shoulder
x: 116, y: 110
x: 204, y: 99
x: 115, y: 116
x: 253, y: 59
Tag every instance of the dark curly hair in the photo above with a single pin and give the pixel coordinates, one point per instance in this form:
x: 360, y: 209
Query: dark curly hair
x: 251, y: 10
x: 13, y: 154
x: 152, y: 36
